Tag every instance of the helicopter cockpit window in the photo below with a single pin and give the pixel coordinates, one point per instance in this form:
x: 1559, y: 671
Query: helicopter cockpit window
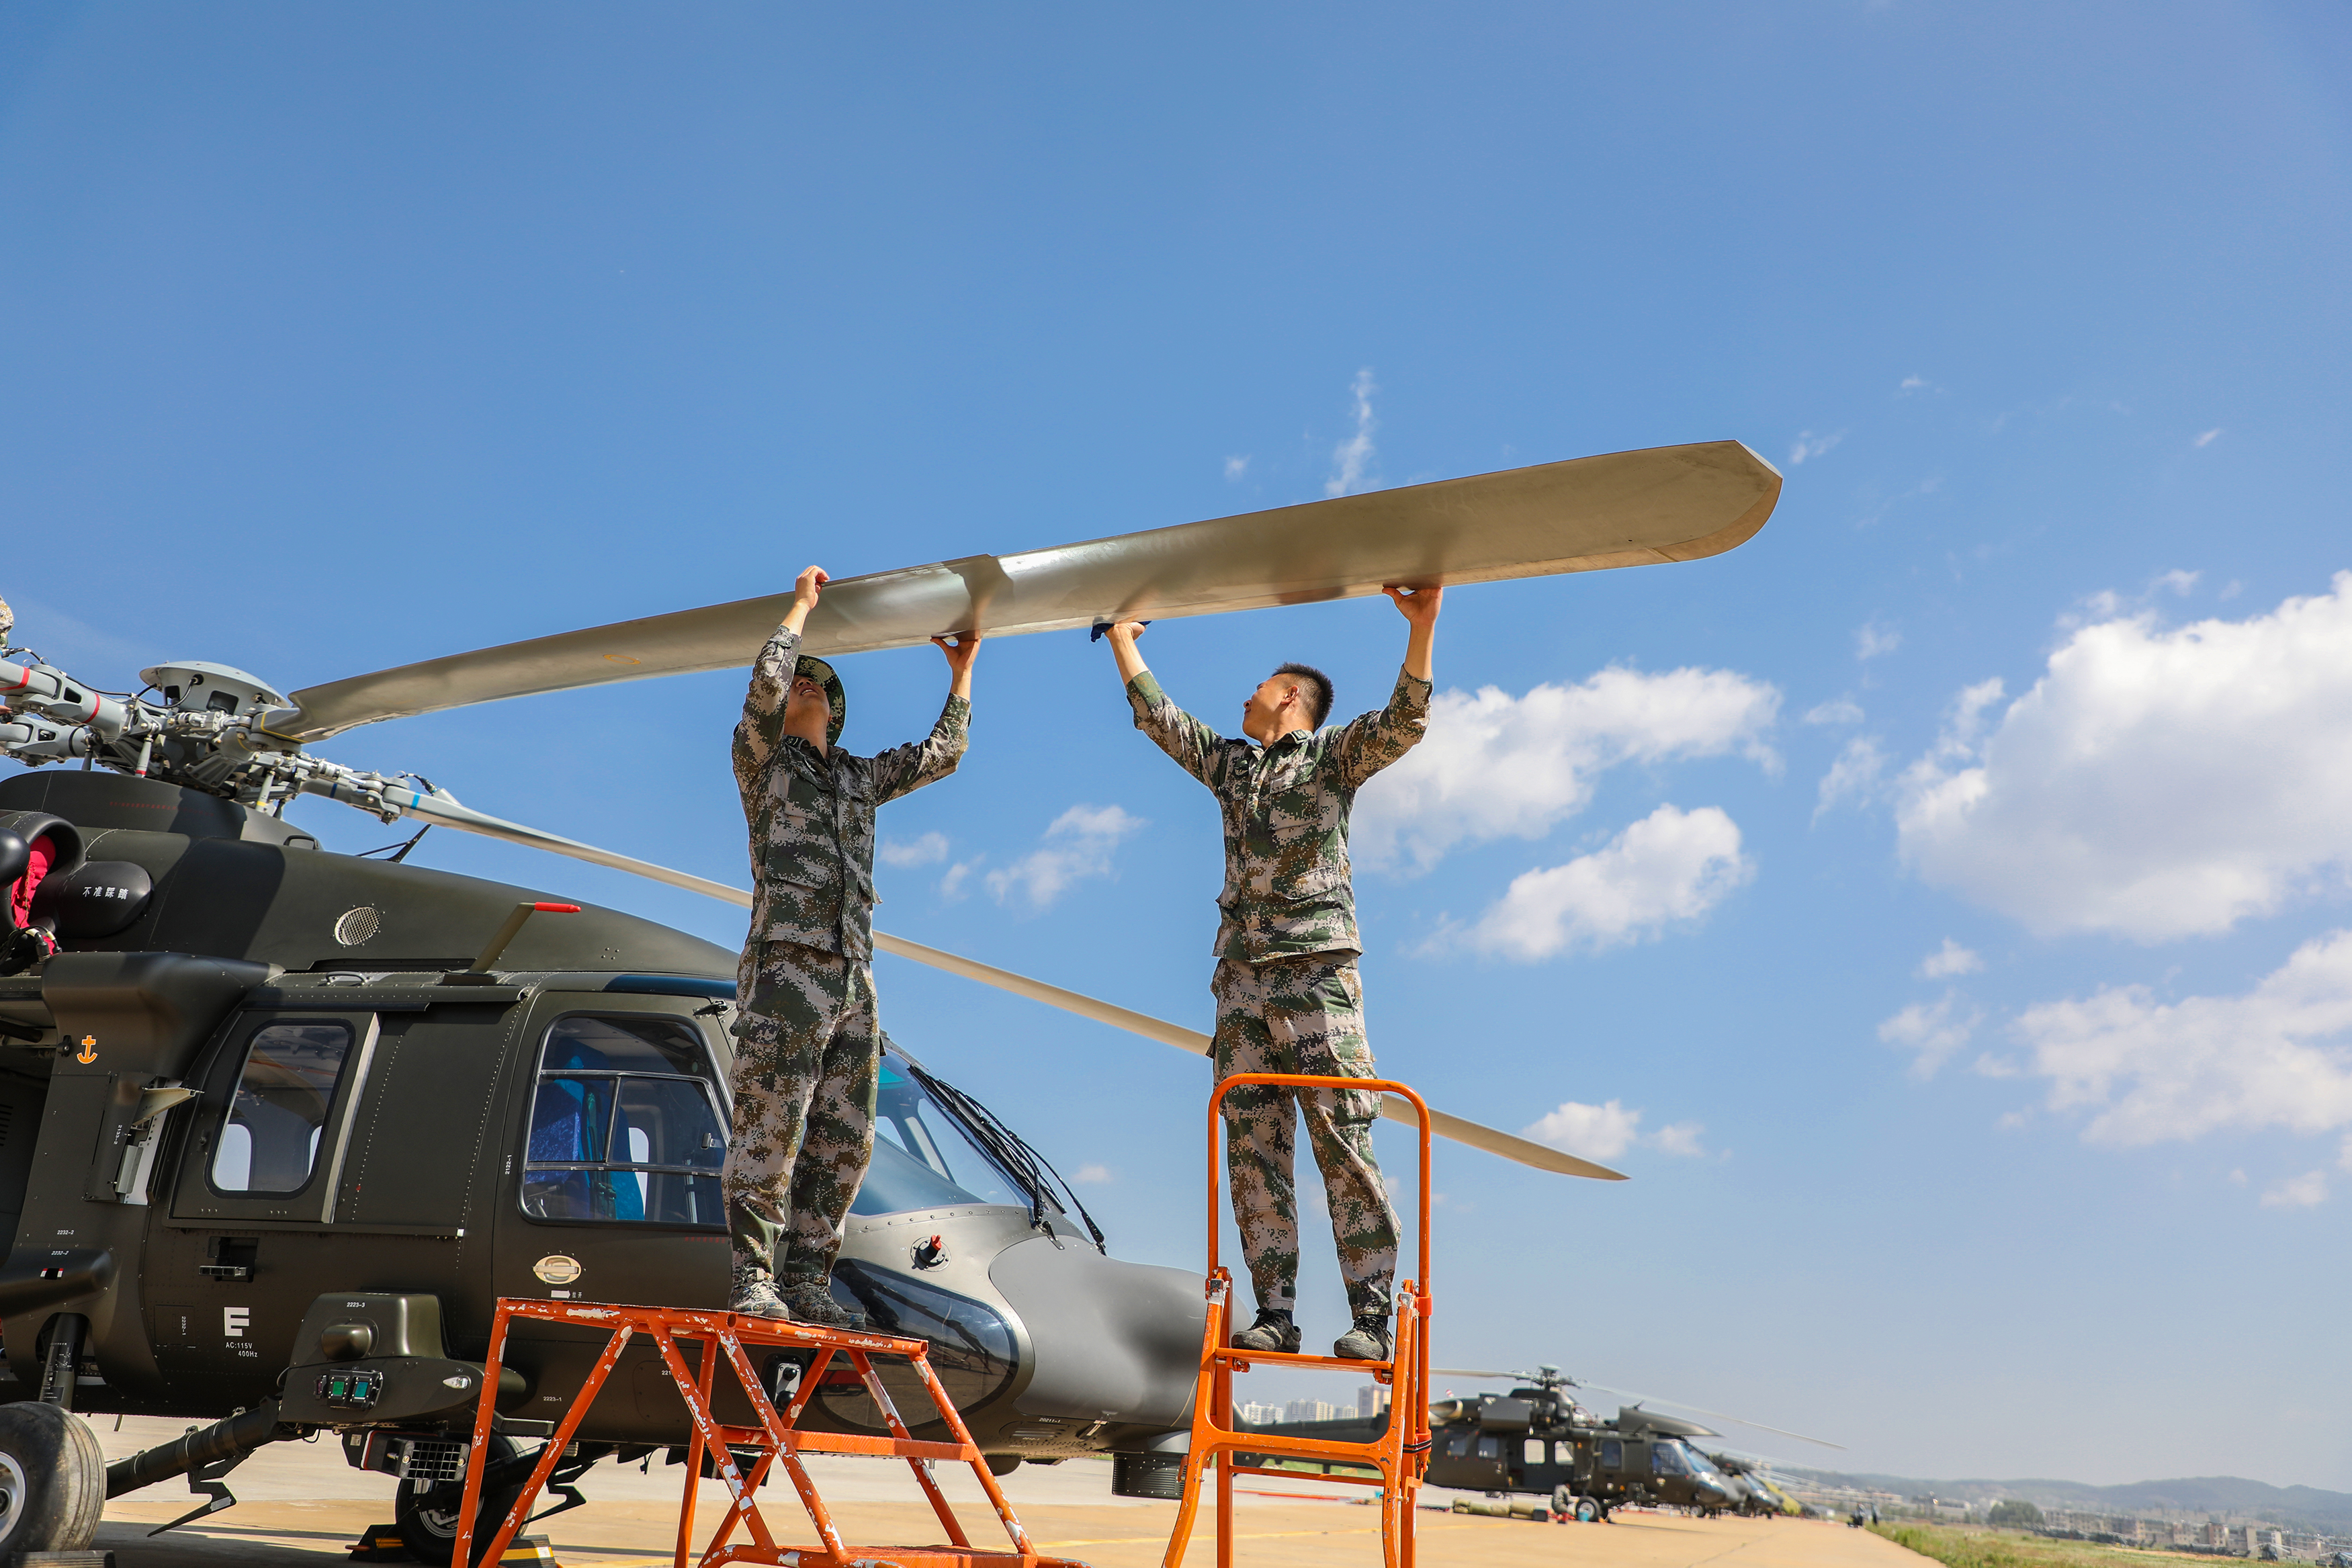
x: 923, y: 1157
x: 625, y: 1124
x: 1668, y: 1460
x: 284, y: 1092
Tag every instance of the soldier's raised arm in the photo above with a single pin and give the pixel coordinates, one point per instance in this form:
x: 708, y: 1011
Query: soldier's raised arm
x: 903, y: 769
x: 1197, y: 749
x: 1366, y: 745
x: 762, y: 724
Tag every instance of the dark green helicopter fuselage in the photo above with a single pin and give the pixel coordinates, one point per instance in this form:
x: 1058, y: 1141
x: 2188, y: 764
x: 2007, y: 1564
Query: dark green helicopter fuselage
x: 371, y: 1144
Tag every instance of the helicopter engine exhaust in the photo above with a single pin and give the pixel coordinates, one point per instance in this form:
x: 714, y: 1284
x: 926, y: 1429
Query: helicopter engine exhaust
x: 237, y: 1436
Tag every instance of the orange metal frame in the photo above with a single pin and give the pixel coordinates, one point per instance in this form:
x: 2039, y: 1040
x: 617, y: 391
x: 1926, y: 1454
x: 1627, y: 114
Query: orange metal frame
x: 1400, y: 1454
x: 776, y: 1440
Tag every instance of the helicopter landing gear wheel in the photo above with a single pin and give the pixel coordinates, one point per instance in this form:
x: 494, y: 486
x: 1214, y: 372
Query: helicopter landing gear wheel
x: 427, y: 1521
x: 1587, y: 1510
x: 52, y: 1480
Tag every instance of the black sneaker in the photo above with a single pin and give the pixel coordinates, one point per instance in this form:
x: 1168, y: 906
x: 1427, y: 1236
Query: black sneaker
x: 1274, y: 1331
x: 1370, y: 1340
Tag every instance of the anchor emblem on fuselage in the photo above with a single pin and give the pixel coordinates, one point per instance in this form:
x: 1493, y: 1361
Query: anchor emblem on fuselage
x: 88, y: 1052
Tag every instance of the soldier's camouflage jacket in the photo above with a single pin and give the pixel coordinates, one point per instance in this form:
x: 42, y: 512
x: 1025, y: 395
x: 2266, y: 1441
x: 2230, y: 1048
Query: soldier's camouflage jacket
x: 1289, y: 888
x: 812, y: 816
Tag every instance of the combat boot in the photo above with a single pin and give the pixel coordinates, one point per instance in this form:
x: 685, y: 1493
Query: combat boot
x: 811, y: 1300
x: 1370, y: 1340
x: 753, y: 1293
x: 1274, y: 1331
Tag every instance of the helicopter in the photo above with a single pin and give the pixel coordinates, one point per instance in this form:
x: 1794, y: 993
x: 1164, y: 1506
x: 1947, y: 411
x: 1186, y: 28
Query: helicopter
x: 279, y: 1126
x: 1538, y: 1438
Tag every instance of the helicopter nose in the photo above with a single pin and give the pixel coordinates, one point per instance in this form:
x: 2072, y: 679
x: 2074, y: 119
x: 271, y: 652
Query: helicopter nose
x: 1111, y: 1338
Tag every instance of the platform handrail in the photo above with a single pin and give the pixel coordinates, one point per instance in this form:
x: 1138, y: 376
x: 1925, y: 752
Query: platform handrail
x: 1399, y: 1453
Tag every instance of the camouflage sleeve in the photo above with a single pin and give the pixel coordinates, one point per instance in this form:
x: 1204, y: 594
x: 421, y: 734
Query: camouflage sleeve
x: 1198, y: 750
x: 903, y: 769
x: 762, y: 727
x: 1371, y: 743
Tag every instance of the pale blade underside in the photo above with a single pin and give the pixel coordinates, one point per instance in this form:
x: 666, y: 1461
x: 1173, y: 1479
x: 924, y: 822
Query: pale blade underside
x: 1624, y: 509
x: 446, y: 811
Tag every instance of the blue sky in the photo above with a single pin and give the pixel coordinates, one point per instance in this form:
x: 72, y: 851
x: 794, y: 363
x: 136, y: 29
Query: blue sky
x: 1982, y: 1052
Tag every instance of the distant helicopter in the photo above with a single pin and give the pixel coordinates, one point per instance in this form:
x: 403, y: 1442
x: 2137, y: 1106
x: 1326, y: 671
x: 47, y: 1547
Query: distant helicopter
x: 1539, y: 1439
x: 279, y: 1126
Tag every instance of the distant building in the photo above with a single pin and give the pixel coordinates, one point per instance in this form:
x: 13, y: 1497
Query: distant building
x: 1370, y: 1400
x: 1259, y: 1415
x: 1310, y: 1410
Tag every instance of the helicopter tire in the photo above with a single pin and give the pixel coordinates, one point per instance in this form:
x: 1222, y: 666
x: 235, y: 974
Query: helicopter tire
x: 1587, y: 1510
x: 52, y: 1479
x: 427, y: 1521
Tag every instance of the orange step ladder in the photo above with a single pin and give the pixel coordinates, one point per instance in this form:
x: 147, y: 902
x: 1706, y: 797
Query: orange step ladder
x: 1399, y: 1454
x: 776, y: 1440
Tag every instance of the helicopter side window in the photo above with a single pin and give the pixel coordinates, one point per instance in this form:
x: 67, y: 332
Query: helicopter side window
x: 1563, y: 1452
x: 284, y: 1092
x: 1612, y: 1453
x: 1458, y: 1448
x: 1490, y: 1447
x: 1532, y: 1452
x: 625, y: 1124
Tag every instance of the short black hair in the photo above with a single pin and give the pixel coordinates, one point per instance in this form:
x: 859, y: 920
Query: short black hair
x: 1318, y: 690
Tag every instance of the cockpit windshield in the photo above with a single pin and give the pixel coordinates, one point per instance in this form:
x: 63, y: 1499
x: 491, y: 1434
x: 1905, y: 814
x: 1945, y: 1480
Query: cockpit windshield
x: 1668, y: 1457
x: 926, y: 1157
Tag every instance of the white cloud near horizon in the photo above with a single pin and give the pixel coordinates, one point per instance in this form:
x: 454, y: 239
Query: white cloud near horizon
x: 2302, y: 1192
x: 1948, y: 960
x: 1495, y: 767
x: 2153, y: 784
x: 2277, y: 1057
x: 1352, y: 458
x: 1931, y: 1031
x: 1669, y: 868
x: 927, y: 850
x: 1077, y: 846
x: 1836, y: 711
x: 1605, y: 1131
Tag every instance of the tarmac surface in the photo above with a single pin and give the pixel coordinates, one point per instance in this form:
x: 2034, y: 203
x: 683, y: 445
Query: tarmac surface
x: 302, y: 1507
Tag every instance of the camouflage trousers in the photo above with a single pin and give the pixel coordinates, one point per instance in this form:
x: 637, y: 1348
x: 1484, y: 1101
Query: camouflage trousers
x: 1302, y: 1016
x: 808, y: 1045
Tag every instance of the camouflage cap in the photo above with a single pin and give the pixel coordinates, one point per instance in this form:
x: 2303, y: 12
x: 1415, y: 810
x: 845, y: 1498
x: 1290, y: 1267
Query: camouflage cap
x: 816, y: 669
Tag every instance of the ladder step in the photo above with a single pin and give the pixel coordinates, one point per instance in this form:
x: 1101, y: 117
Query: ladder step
x: 1240, y: 1360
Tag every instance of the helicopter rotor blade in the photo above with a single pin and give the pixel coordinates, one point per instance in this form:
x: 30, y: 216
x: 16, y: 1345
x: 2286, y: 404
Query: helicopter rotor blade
x: 1622, y: 509
x: 1394, y: 1106
x: 443, y: 808
x: 1718, y: 1414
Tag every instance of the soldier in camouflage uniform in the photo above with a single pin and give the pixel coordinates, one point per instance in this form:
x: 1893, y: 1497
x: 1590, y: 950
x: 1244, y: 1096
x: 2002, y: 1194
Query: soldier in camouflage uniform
x: 1288, y: 996
x: 807, y: 1037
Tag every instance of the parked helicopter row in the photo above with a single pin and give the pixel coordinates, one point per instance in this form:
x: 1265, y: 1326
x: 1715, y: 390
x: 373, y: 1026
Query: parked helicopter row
x: 279, y: 1126
x: 1539, y: 1440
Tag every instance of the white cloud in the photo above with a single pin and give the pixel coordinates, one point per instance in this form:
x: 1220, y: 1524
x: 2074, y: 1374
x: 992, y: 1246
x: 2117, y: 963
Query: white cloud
x: 2279, y: 1056
x: 2207, y: 439
x: 1591, y: 1131
x: 1605, y: 1131
x: 2302, y: 1192
x: 1809, y: 445
x: 1077, y: 846
x: 952, y: 885
x: 1678, y: 1138
x: 1931, y: 1031
x: 1873, y: 641
x: 1671, y: 865
x: 1093, y: 1175
x: 1853, y: 776
x: 1836, y: 711
x: 1235, y: 468
x: 1911, y: 384
x: 927, y: 850
x: 1351, y: 458
x: 2153, y: 784
x: 1948, y: 960
x: 1495, y: 767
x: 2344, y: 1154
